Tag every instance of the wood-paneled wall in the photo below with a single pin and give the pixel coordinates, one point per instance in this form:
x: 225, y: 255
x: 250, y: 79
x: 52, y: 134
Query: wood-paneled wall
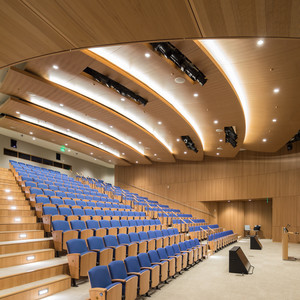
x: 236, y: 214
x: 249, y: 175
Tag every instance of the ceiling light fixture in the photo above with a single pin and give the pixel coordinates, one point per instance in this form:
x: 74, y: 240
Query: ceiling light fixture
x: 184, y: 152
x: 231, y: 136
x: 33, y: 138
x: 264, y: 140
x: 195, y: 95
x: 189, y: 143
x: 178, y: 140
x: 276, y: 90
x: 61, y: 105
x: 218, y: 153
x: 274, y: 120
x: 216, y: 121
x: 159, y: 122
x: 155, y: 154
x: 220, y: 140
x: 122, y: 99
x: 55, y: 67
x: 30, y: 132
x: 17, y: 112
x: 147, y: 55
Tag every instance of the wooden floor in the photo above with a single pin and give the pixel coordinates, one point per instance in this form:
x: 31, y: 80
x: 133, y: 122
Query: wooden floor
x: 28, y: 267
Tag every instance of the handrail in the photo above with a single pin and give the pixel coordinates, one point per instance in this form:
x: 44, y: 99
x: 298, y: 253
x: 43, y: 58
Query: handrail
x: 172, y: 200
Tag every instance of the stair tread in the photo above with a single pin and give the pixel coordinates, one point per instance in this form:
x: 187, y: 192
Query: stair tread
x: 25, y: 241
x: 34, y: 284
x: 32, y: 267
x: 25, y: 252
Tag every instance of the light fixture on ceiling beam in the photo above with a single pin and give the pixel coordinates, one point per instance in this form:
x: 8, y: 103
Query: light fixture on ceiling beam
x: 230, y: 136
x: 294, y: 139
x: 180, y: 60
x: 189, y: 143
x: 117, y: 87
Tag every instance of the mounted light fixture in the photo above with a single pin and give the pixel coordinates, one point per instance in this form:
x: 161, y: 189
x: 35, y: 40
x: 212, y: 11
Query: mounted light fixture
x: 180, y: 60
x: 294, y: 139
x: 189, y: 143
x: 230, y: 136
x: 119, y: 88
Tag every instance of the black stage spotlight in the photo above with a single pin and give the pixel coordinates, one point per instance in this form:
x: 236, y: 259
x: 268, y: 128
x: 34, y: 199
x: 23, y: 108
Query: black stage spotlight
x: 189, y: 143
x: 230, y: 136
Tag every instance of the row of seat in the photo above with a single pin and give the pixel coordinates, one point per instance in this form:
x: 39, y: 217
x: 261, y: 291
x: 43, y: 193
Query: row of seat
x: 202, y: 232
x: 65, y: 213
x: 220, y: 240
x: 151, y: 239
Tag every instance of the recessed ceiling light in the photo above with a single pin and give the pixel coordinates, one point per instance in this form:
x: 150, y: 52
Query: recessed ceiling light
x: 216, y: 121
x: 68, y: 129
x: 274, y: 120
x: 95, y: 158
x: 264, y: 140
x: 218, y: 153
x: 178, y: 140
x: 196, y: 95
x: 249, y: 200
x: 228, y: 200
x: 184, y: 152
x: 220, y: 140
x: 30, y: 132
x: 140, y: 143
x: 219, y: 130
x: 109, y: 160
x: 159, y: 122
x: 122, y: 99
x: 17, y: 112
x: 155, y: 154
x: 219, y: 148
x: 260, y: 42
x: 7, y: 191
x: 179, y: 80
x: 123, y: 153
x: 66, y: 144
x: 276, y: 90
x: 69, y: 150
x: 136, y: 162
x: 33, y: 138
x: 61, y: 105
x: 92, y: 153
x: 111, y: 126
x: 147, y: 55
x: 101, y: 143
x: 55, y: 67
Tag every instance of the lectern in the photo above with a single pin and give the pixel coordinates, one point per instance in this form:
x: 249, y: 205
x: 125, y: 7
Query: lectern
x: 285, y: 242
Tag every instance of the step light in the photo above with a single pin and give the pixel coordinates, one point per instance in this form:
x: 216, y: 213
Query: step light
x: 43, y: 292
x: 17, y: 219
x: 31, y: 257
x: 22, y: 235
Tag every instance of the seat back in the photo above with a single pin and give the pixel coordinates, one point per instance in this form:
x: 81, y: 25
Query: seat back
x: 134, y: 237
x: 153, y: 256
x: 117, y: 269
x: 132, y: 264
x: 115, y: 223
x: 49, y: 210
x: 162, y: 253
x: 170, y: 251
x: 95, y: 242
x: 76, y: 246
x: 123, y: 238
x: 151, y: 234
x: 144, y: 260
x: 60, y: 225
x: 143, y: 236
x: 92, y: 224
x: 110, y: 240
x: 104, y: 224
x: 99, y: 277
x: 78, y: 225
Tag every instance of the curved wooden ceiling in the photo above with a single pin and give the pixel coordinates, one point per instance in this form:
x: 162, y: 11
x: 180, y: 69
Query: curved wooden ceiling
x: 36, y: 29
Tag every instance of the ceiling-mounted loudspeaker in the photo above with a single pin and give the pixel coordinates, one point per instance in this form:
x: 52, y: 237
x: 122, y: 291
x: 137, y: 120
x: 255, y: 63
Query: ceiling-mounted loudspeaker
x: 180, y: 60
x: 13, y: 143
x: 294, y: 139
x: 230, y: 136
x: 189, y: 143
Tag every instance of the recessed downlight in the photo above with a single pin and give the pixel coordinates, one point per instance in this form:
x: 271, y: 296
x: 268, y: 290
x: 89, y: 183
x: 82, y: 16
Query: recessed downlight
x: 184, y: 152
x: 140, y: 143
x: 276, y: 90
x: 179, y: 80
x: 218, y: 153
x: 31, y: 132
x: 216, y: 121
x: 264, y: 140
x: 196, y: 95
x: 92, y: 153
x: 61, y: 105
x: 136, y: 161
x: 111, y: 126
x: 219, y: 148
x: 33, y: 138
x: 17, y: 112
x: 123, y: 153
x: 123, y: 99
x: 147, y: 54
x: 274, y: 120
x: 260, y: 42
x: 159, y: 122
x: 178, y: 140
x: 155, y: 154
x: 109, y: 160
x: 220, y: 140
x: 55, y: 67
x: 66, y: 144
x: 219, y: 130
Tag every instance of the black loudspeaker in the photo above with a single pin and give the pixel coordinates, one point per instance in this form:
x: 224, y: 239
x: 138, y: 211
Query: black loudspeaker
x: 255, y: 243
x: 57, y: 156
x: 238, y: 262
x: 13, y: 143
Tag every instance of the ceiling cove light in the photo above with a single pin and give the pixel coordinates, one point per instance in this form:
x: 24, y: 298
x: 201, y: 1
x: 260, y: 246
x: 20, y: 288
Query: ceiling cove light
x: 137, y: 71
x: 70, y: 134
x: 82, y: 118
x: 224, y: 61
x: 110, y: 104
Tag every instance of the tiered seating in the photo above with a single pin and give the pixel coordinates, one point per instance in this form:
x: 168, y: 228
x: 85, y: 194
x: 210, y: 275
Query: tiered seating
x: 220, y: 240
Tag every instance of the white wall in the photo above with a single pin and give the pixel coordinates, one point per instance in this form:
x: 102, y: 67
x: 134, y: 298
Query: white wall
x: 78, y: 165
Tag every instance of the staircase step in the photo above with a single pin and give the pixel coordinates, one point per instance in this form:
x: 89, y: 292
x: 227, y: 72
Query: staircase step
x: 21, y: 235
x: 31, y: 291
x: 20, y: 258
x: 23, y: 274
x: 15, y: 201
x: 23, y: 226
x: 15, y: 212
x: 17, y: 219
x: 25, y: 245
x: 15, y: 207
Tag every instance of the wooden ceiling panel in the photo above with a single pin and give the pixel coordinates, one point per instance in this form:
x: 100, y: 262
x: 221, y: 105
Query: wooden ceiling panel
x: 46, y: 134
x: 247, y: 18
x: 87, y: 23
x: 26, y: 86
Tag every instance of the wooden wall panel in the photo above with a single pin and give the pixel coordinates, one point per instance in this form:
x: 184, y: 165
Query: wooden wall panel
x: 248, y: 176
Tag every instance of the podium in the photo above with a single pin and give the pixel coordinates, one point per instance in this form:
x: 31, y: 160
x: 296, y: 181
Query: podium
x: 285, y: 242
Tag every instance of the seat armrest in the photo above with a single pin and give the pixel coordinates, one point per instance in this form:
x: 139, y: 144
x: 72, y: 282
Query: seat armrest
x: 133, y: 273
x: 118, y: 280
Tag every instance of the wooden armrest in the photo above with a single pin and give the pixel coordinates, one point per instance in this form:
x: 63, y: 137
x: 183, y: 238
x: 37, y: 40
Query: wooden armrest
x: 118, y: 280
x: 146, y: 268
x: 134, y: 273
